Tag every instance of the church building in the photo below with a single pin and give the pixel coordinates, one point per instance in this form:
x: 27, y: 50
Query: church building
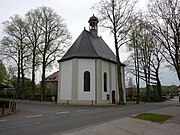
x: 88, y: 71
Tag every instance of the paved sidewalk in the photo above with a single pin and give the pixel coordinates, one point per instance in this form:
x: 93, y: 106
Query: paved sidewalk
x: 132, y: 126
x: 7, y: 111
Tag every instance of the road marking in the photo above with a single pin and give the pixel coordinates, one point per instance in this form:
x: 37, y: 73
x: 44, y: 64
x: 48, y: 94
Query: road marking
x: 3, y: 120
x: 24, y: 125
x: 98, y: 109
x: 62, y: 112
x: 81, y: 110
x: 111, y: 108
x: 33, y: 116
x: 134, y: 115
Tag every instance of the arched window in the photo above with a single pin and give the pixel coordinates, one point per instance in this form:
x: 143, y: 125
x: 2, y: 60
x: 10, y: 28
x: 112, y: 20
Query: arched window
x: 87, y: 81
x: 105, y: 82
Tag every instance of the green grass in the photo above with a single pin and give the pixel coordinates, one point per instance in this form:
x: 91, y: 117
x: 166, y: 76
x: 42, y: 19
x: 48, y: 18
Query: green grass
x: 153, y: 117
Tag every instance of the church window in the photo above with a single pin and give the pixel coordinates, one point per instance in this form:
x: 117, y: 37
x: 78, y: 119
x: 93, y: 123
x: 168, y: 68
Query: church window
x: 105, y: 82
x: 86, y: 81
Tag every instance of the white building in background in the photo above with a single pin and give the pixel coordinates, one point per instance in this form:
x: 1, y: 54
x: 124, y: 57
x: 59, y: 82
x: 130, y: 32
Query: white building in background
x: 88, y: 70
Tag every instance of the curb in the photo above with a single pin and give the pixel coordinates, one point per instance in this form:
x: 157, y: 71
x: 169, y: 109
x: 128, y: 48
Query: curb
x: 10, y: 113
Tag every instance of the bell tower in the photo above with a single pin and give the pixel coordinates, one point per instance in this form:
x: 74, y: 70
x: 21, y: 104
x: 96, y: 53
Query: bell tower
x: 93, y: 27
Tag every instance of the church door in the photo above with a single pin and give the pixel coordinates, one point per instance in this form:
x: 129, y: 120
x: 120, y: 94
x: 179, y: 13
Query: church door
x: 113, y: 97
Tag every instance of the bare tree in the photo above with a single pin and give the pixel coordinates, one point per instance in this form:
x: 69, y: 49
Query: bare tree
x: 54, y: 38
x: 133, y: 62
x: 115, y: 15
x: 14, y: 47
x: 165, y: 15
x: 33, y: 34
x: 155, y: 63
x: 146, y: 55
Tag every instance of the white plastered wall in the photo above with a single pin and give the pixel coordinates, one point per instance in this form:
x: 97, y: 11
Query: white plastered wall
x: 105, y: 68
x: 113, y: 77
x: 86, y: 65
x: 64, y: 89
x: 114, y: 83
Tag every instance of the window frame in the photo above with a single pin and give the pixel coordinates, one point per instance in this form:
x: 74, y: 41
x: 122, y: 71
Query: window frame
x: 105, y: 81
x: 87, y: 81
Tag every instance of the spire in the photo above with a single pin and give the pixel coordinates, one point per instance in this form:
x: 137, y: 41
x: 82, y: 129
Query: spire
x: 93, y: 27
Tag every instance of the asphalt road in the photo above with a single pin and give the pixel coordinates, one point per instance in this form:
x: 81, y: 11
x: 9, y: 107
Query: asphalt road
x: 48, y: 119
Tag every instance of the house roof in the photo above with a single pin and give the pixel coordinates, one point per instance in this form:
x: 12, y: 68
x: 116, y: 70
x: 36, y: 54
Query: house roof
x: 53, y: 77
x: 88, y: 45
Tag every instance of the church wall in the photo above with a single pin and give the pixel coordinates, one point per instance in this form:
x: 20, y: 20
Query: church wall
x: 113, y: 81
x: 59, y: 81
x: 98, y: 81
x: 66, y: 80
x: 110, y: 68
x: 86, y: 65
x: 113, y: 77
x: 105, y: 69
x: 74, y: 80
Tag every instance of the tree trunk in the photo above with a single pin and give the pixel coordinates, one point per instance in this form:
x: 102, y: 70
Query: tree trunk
x: 18, y: 90
x: 148, y: 92
x: 149, y: 75
x: 43, y: 83
x: 137, y: 101
x: 159, y: 87
x: 121, y: 93
x: 137, y: 76
x: 22, y: 79
x: 23, y: 84
x: 33, y: 78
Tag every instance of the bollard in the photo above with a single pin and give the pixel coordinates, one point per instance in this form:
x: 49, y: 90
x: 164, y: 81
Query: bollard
x: 53, y: 99
x: 92, y: 102
x: 179, y: 98
x: 67, y: 102
x: 3, y: 109
x: 11, y: 105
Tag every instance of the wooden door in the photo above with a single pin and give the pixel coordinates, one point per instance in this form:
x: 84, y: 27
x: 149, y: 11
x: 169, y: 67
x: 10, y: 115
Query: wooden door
x: 113, y: 97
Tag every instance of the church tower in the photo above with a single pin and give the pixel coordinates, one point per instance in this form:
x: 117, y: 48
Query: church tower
x: 93, y: 25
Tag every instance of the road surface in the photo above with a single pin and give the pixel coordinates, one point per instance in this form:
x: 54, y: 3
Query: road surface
x: 49, y: 119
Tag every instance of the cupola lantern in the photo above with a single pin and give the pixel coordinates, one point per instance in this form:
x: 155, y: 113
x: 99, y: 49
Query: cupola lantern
x: 93, y: 27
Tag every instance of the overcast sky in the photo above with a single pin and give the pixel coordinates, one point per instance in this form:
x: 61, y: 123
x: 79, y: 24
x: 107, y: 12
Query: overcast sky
x: 76, y: 14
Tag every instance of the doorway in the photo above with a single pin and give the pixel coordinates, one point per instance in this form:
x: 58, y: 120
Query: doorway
x: 113, y: 97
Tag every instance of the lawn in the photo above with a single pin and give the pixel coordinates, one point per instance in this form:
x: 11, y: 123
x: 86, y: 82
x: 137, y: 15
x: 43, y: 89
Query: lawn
x: 153, y: 117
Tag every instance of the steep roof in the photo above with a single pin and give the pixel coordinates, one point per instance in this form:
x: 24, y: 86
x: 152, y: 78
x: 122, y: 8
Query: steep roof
x: 53, y: 77
x: 88, y: 45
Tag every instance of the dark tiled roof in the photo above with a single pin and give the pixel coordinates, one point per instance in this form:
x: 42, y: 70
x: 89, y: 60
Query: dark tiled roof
x: 89, y: 46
